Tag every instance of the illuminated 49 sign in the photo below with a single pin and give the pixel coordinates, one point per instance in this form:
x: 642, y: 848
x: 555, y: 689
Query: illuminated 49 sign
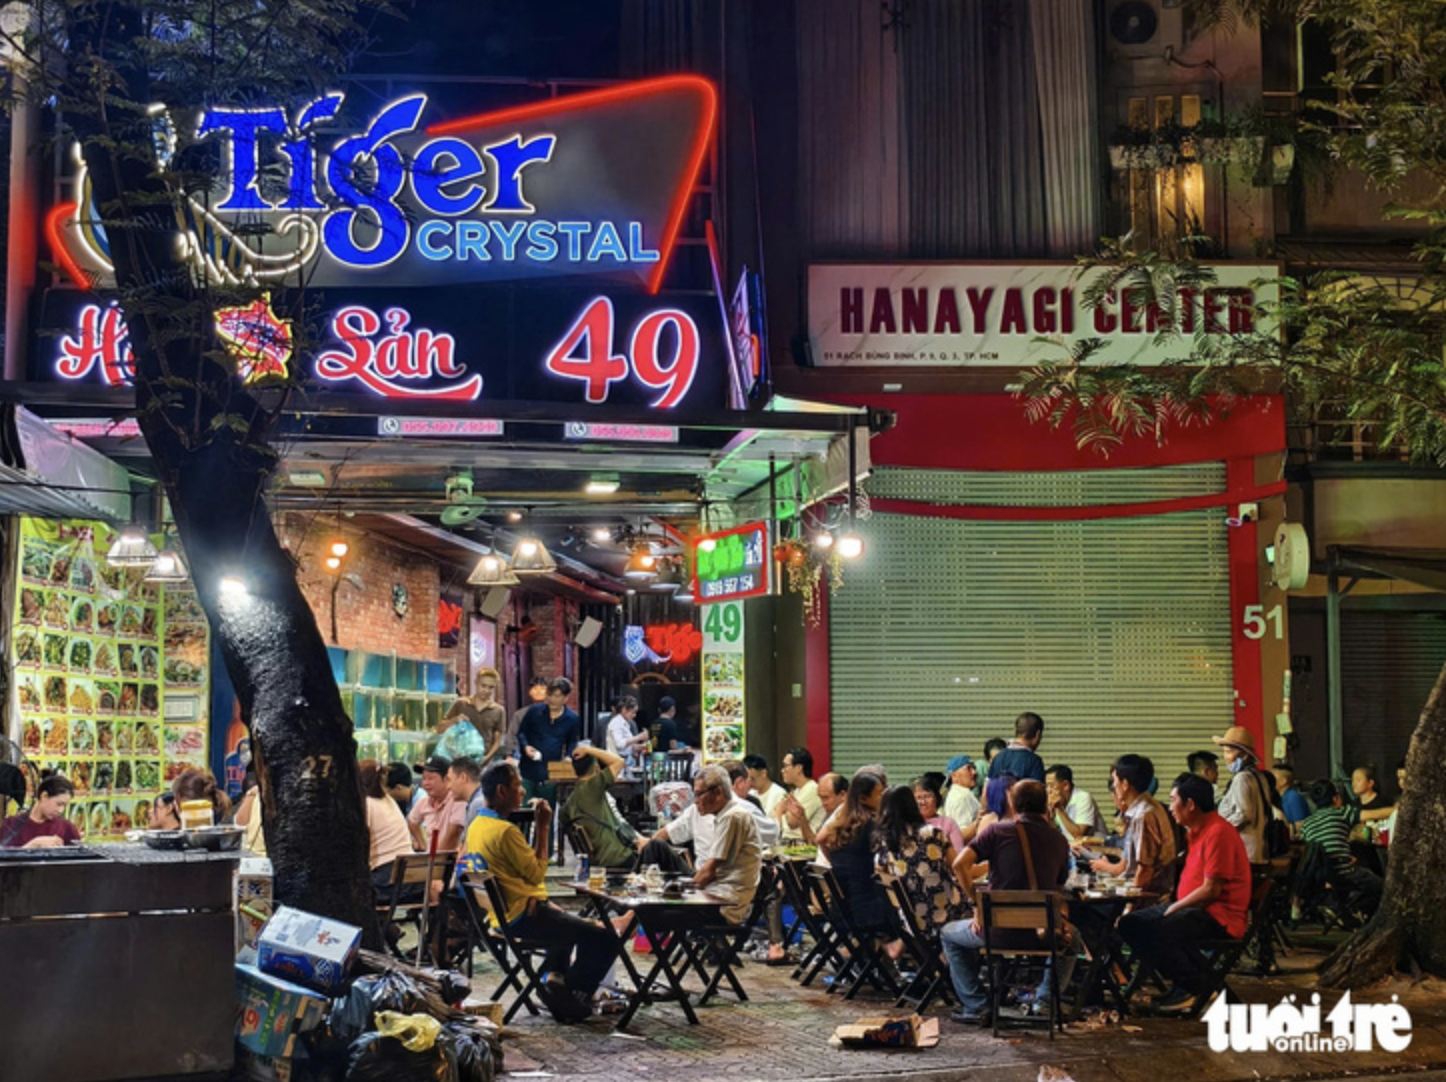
x: 731, y: 564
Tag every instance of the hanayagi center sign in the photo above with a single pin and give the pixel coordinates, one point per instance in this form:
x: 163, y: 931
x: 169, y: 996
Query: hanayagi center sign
x: 500, y: 215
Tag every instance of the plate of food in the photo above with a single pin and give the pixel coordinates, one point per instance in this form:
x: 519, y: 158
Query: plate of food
x: 56, y: 693
x: 723, y: 741
x: 27, y: 648
x: 80, y: 655
x: 82, y: 697
x: 29, y: 692
x: 31, y: 738
x: 35, y: 561
x: 60, y: 567
x: 32, y: 605
x: 146, y: 741
x: 57, y: 612
x: 104, y: 660
x: 82, y: 614
x: 82, y: 737
x: 107, y: 613
x: 105, y: 737
x: 82, y: 574
x: 148, y: 775
x: 57, y: 736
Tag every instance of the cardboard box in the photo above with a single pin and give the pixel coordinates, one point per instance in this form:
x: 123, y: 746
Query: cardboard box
x: 274, y: 1012
x: 910, y: 1031
x: 308, y: 949
x: 272, y: 1068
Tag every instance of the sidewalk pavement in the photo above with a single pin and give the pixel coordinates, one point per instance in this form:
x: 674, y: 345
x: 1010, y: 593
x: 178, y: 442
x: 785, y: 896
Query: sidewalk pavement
x: 782, y: 1034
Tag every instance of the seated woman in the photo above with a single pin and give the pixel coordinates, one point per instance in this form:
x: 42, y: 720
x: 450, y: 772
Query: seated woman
x: 189, y: 785
x: 390, y: 837
x: 248, y: 815
x: 920, y: 857
x: 929, y: 798
x: 848, y: 839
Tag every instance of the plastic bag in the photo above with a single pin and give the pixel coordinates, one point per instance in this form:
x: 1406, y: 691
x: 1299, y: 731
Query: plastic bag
x: 417, y: 1032
x: 391, y: 992
x: 455, y: 987
x: 375, y: 1058
x: 477, y: 1058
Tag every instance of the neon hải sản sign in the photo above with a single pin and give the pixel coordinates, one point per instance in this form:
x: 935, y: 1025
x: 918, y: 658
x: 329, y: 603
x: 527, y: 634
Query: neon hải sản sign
x: 731, y: 564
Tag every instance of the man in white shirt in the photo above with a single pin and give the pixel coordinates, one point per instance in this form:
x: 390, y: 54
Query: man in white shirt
x: 731, y: 865
x: 738, y: 777
x: 1074, y: 810
x: 624, y: 740
x: 960, y: 804
x: 768, y: 792
x: 802, y: 804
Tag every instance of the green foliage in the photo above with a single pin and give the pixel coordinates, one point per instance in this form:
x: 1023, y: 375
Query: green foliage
x: 1370, y: 351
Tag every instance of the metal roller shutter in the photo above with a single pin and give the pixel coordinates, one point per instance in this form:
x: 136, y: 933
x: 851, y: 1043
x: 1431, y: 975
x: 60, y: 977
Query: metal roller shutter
x: 1116, y: 631
x: 1389, y: 664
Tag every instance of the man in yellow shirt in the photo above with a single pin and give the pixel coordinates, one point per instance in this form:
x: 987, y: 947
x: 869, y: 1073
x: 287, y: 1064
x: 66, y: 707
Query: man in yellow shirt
x: 495, y: 844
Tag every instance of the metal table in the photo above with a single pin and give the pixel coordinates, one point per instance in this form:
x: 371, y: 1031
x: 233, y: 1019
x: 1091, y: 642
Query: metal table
x: 668, y: 924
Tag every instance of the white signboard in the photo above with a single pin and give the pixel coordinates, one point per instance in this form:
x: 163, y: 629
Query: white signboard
x: 994, y: 314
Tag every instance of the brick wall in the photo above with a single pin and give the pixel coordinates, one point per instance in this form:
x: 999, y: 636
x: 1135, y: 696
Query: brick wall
x: 365, y: 619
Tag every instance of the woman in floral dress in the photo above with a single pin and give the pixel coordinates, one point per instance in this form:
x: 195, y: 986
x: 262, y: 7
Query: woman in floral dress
x: 921, y: 857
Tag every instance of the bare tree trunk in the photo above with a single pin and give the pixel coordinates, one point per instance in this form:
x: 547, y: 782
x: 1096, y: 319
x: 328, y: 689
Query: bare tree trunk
x: 209, y: 441
x: 1411, y: 922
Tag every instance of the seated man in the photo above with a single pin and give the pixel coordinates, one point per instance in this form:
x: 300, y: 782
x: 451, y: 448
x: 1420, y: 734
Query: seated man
x: 579, y: 952
x: 614, y: 843
x: 1075, y: 811
x: 1148, y: 856
x: 768, y: 832
x: 730, y: 867
x: 1212, y: 903
x: 1009, y: 869
x: 1329, y: 827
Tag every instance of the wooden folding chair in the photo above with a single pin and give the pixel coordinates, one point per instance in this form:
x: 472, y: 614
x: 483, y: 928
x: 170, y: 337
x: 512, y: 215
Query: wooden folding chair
x: 825, y: 940
x: 931, y: 975
x: 1223, y: 955
x: 515, y: 955
x: 410, y: 877
x: 1032, y: 911
x: 866, y: 959
x: 726, y: 941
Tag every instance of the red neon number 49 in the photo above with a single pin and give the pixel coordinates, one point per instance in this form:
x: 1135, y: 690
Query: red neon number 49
x: 585, y: 353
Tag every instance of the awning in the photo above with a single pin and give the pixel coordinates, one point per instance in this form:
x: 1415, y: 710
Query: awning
x: 1424, y: 567
x: 45, y: 473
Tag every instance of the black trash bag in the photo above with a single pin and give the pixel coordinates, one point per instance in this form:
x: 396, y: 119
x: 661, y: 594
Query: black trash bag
x: 476, y: 1061
x: 455, y: 987
x: 375, y: 1058
x: 392, y: 992
x: 351, y: 1014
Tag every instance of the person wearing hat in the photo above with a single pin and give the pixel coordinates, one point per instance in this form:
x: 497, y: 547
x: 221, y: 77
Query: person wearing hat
x: 960, y: 804
x: 435, y: 811
x: 1246, y: 804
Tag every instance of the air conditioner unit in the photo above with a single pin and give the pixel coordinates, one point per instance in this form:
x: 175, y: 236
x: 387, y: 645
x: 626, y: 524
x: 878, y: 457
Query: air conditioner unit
x: 1144, y: 29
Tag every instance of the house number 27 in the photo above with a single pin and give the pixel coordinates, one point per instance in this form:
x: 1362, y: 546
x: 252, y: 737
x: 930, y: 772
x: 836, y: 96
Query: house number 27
x: 1256, y: 617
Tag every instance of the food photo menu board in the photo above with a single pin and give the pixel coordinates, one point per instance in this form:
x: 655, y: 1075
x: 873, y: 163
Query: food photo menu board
x: 111, y: 674
x: 723, y: 720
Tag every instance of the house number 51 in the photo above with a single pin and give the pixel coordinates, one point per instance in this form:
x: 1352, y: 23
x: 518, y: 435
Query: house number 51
x: 1256, y: 617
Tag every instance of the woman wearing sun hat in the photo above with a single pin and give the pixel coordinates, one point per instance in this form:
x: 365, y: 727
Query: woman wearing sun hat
x: 1246, y: 804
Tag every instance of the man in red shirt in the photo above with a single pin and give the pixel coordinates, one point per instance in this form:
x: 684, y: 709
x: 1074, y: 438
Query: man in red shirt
x: 1212, y: 900
x: 45, y: 824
